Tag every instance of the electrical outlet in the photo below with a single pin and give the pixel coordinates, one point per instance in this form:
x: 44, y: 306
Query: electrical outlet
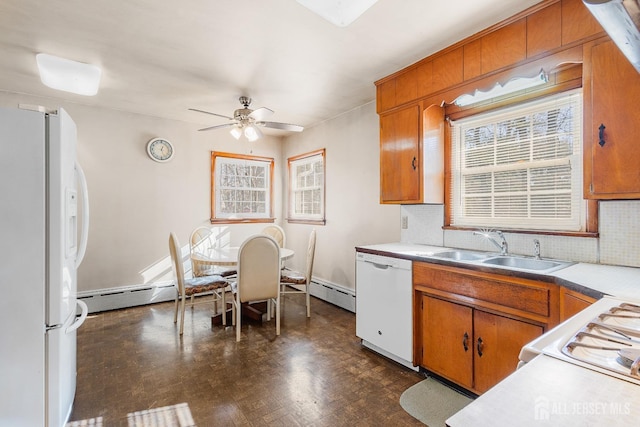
x: 405, y: 222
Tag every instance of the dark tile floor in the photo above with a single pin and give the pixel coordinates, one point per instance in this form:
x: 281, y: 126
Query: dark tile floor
x: 315, y: 373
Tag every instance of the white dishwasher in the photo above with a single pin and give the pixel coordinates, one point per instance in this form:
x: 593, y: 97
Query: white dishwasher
x: 384, y: 309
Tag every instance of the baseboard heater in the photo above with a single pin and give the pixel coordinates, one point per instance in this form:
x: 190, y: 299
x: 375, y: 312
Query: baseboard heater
x: 131, y: 296
x: 334, y: 294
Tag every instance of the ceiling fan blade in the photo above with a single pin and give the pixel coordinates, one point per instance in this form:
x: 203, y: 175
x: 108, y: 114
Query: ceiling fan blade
x: 281, y: 126
x: 261, y: 113
x: 213, y: 114
x: 226, y: 125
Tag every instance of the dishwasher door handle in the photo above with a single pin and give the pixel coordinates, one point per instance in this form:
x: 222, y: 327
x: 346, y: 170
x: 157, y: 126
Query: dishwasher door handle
x: 379, y: 266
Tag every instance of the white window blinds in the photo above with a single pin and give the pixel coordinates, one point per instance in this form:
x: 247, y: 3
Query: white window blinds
x: 520, y: 167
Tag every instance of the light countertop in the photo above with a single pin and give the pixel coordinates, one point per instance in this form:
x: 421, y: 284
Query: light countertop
x: 550, y: 392
x: 622, y: 282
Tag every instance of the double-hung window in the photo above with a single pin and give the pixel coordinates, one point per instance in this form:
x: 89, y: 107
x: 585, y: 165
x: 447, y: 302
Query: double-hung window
x: 306, y: 187
x: 520, y: 167
x: 241, y: 188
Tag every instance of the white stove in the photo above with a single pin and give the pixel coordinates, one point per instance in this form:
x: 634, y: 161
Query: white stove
x: 605, y: 337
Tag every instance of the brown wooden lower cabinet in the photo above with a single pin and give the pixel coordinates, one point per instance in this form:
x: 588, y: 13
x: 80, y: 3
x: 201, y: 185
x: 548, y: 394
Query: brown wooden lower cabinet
x: 497, y: 344
x: 471, y: 347
x: 447, y: 336
x: 469, y: 326
x: 572, y: 302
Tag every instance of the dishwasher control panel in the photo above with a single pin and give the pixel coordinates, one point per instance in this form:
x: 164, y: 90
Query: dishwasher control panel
x: 381, y: 260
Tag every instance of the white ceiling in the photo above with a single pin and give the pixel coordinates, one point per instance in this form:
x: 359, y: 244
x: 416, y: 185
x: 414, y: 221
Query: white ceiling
x: 161, y: 57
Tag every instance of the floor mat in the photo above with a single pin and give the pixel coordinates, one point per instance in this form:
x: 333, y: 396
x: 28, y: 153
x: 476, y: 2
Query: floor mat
x: 432, y: 402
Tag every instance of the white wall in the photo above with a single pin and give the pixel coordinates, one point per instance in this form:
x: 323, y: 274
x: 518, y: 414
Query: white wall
x: 353, y: 210
x: 135, y: 202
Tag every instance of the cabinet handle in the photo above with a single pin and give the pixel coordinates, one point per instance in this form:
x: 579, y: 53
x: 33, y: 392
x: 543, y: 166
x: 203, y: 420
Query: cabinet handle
x: 413, y: 163
x: 479, y: 346
x: 465, y: 341
x: 601, y: 135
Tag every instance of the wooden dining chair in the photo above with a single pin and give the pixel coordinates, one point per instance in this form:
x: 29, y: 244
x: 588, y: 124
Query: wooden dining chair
x: 196, y: 286
x: 291, y: 278
x: 258, y: 276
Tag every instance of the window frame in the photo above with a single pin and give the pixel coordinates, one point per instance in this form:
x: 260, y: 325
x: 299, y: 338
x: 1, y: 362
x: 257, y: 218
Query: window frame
x: 292, y: 216
x: 587, y: 208
x: 267, y: 163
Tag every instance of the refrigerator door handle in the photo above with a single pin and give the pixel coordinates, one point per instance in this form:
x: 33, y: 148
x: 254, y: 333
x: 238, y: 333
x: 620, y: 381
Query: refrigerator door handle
x: 79, y: 321
x: 82, y: 246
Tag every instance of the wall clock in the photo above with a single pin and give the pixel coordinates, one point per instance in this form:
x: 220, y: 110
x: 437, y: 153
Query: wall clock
x: 160, y: 150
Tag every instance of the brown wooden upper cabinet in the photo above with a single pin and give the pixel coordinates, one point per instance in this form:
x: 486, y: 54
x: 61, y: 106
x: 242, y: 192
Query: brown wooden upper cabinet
x: 412, y: 155
x: 540, y: 31
x: 550, y: 30
x: 400, y: 156
x: 612, y: 124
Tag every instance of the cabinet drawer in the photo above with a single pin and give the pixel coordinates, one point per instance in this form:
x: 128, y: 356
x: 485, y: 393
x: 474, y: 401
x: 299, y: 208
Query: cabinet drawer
x: 521, y: 294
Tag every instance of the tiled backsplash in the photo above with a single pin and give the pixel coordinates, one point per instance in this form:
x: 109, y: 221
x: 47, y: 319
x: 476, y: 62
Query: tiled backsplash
x: 620, y: 233
x: 618, y: 242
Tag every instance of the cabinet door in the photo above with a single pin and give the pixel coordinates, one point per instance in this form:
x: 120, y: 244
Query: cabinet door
x: 400, y: 168
x: 497, y: 343
x: 615, y: 157
x: 447, y: 335
x: 433, y: 154
x: 572, y: 302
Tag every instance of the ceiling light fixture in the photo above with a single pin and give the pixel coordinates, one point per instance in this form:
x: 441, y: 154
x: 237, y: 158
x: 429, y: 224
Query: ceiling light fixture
x: 252, y: 133
x: 69, y: 76
x: 236, y: 132
x: 514, y: 85
x: 621, y: 20
x: 338, y: 12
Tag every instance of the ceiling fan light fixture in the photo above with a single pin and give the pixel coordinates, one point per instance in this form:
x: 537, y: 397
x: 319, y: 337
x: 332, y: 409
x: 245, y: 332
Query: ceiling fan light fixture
x: 67, y: 75
x: 339, y: 12
x: 247, y: 122
x: 236, y: 132
x: 252, y: 133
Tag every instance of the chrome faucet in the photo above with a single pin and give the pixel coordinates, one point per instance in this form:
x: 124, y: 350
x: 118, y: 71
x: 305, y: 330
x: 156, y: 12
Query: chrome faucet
x: 536, y: 248
x: 502, y: 245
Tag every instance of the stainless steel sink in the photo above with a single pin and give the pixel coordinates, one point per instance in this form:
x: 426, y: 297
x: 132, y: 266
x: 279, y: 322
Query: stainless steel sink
x: 489, y: 259
x: 525, y: 263
x: 460, y: 255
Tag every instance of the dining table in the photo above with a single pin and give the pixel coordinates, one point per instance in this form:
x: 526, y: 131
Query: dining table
x: 228, y: 257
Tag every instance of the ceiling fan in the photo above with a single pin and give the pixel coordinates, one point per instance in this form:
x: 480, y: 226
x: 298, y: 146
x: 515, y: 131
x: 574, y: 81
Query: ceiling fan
x: 246, y: 121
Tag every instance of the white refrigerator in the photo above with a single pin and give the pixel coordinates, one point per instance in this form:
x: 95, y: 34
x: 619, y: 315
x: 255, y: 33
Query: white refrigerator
x: 40, y: 250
